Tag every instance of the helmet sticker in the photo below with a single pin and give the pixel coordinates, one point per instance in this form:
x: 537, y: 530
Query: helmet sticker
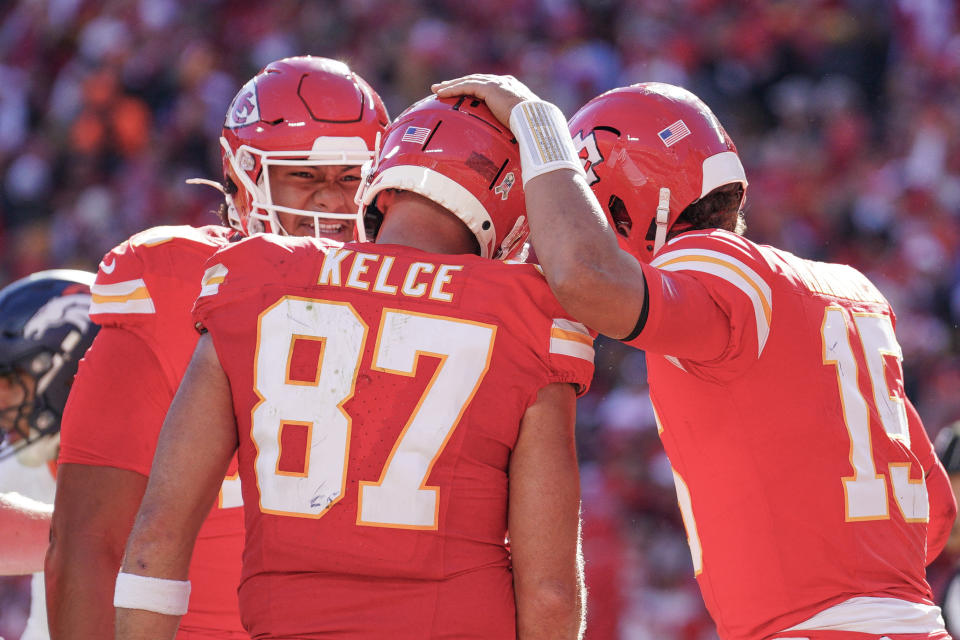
x: 245, y: 108
x: 71, y: 309
x: 503, y: 189
x: 586, y: 147
x: 247, y: 163
x: 674, y: 133
x: 484, y: 166
x: 415, y: 134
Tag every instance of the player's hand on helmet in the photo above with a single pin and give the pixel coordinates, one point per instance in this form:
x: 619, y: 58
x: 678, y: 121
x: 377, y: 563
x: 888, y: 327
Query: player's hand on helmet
x: 500, y: 93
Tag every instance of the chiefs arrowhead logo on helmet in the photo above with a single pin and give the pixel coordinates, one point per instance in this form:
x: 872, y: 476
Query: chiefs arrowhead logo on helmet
x: 586, y: 146
x: 244, y: 109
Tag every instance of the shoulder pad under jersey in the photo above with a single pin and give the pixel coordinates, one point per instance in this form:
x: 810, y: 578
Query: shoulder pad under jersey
x: 161, y: 263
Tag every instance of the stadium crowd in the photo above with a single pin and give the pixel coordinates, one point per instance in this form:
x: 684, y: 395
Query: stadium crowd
x: 846, y: 113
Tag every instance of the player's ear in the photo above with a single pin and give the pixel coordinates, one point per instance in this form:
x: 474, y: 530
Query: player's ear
x: 373, y: 213
x: 385, y: 198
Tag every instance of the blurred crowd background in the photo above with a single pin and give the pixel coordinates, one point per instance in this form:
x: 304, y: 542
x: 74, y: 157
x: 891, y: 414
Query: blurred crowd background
x: 846, y: 114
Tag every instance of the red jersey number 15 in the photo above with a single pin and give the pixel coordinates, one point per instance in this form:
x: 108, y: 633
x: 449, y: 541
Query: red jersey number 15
x: 865, y: 490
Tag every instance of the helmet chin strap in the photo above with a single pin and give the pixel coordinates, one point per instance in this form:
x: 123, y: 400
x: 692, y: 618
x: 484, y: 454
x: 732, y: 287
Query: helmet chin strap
x: 209, y: 183
x: 367, y: 170
x: 233, y: 218
x: 663, y: 217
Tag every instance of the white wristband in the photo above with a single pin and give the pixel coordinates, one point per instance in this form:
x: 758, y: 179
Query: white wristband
x: 544, y: 139
x: 169, y: 597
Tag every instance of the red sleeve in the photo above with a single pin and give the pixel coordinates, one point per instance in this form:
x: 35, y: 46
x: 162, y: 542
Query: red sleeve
x: 534, y: 316
x: 147, y: 286
x: 571, y: 354
x: 710, y: 304
x: 943, y: 504
x: 116, y: 406
x: 683, y: 319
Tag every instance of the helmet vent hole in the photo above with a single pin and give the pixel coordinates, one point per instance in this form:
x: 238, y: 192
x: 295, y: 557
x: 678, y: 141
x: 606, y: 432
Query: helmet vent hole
x: 621, y: 219
x: 426, y: 142
x: 651, y: 231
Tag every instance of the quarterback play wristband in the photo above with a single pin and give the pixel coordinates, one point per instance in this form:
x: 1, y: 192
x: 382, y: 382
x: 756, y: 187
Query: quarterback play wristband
x: 545, y: 142
x: 169, y: 597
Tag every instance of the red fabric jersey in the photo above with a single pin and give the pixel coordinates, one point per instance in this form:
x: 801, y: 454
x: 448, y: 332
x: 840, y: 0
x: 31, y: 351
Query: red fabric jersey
x: 798, y: 461
x: 378, y: 392
x: 142, y: 298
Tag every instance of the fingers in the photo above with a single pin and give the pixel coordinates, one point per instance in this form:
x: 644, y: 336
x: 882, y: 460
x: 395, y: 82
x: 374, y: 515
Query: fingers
x: 477, y: 85
x: 500, y: 93
x: 456, y: 88
x: 482, y: 85
x: 479, y: 78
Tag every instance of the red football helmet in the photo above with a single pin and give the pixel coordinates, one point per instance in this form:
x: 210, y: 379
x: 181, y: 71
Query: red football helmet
x: 649, y: 151
x: 296, y: 111
x: 455, y: 152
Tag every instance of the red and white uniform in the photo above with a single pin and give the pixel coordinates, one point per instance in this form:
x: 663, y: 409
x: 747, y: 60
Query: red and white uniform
x: 142, y: 298
x: 378, y: 391
x: 799, y: 462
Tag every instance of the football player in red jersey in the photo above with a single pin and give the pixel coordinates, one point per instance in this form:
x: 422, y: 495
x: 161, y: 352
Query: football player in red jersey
x: 397, y: 409
x: 802, y: 471
x: 44, y: 330
x: 293, y: 141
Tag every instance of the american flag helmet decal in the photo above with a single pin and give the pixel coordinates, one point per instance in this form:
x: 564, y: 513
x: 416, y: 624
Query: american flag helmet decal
x: 674, y: 133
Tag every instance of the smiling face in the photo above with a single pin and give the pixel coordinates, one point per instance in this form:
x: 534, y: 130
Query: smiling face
x: 324, y: 188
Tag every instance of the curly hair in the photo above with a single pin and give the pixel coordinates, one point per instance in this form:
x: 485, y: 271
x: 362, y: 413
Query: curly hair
x: 229, y: 188
x: 719, y: 209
